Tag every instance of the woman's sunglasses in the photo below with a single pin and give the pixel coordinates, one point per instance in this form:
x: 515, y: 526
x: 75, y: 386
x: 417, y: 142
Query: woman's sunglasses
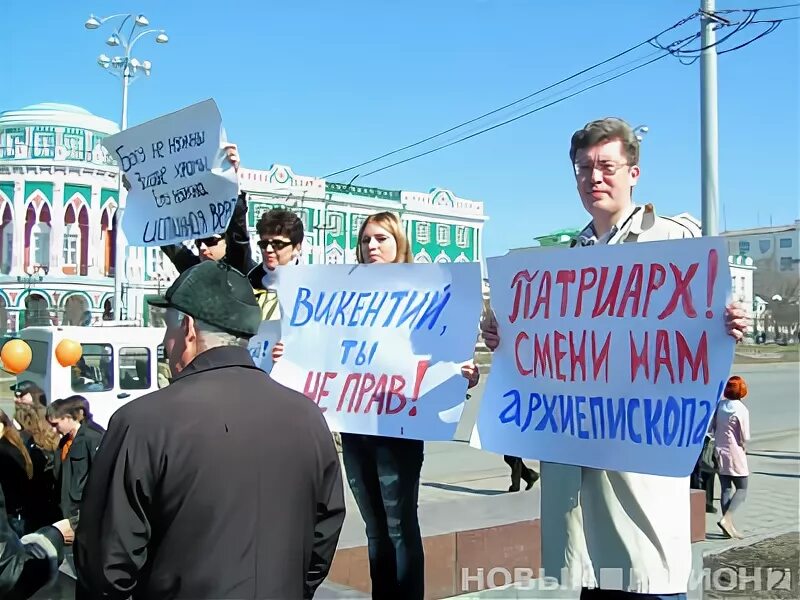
x: 276, y: 244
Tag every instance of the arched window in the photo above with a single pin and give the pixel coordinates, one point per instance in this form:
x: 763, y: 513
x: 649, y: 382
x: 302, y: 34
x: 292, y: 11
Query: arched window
x: 40, y: 242
x: 70, y: 254
x: 6, y: 239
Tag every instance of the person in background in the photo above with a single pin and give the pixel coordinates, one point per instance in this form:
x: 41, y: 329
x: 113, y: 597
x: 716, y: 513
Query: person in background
x: 593, y: 519
x: 520, y: 471
x: 16, y: 472
x: 27, y: 392
x: 280, y: 233
x: 42, y: 444
x: 77, y: 449
x: 30, y: 562
x: 223, y: 484
x: 731, y: 433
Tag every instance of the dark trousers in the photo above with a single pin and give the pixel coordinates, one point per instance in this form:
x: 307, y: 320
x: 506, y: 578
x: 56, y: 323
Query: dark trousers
x: 519, y: 470
x: 702, y: 479
x: 383, y: 474
x: 597, y: 594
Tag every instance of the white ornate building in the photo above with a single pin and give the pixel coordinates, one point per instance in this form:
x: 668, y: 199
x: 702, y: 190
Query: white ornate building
x: 58, y: 200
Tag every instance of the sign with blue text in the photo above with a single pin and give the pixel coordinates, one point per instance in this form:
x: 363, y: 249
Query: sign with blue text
x: 182, y: 185
x: 612, y: 357
x: 380, y: 347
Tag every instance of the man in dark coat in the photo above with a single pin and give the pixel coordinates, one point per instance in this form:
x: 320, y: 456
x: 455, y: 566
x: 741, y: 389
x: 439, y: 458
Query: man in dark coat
x: 223, y: 484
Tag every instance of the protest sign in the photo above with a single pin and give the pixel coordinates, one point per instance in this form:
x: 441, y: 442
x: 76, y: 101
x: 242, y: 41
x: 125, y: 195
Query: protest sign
x: 182, y: 185
x: 261, y: 344
x: 611, y: 357
x: 380, y: 347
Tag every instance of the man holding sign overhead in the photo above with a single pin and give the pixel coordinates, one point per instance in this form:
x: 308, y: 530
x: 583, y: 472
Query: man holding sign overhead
x: 616, y: 533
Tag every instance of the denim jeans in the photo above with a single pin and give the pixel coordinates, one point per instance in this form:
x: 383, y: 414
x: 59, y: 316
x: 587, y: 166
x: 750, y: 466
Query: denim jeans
x: 731, y: 500
x: 383, y: 474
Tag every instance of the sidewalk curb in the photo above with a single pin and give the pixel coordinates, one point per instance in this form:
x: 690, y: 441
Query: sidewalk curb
x: 771, y: 436
x: 749, y: 541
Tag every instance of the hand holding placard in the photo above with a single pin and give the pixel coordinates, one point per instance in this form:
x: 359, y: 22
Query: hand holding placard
x: 180, y: 186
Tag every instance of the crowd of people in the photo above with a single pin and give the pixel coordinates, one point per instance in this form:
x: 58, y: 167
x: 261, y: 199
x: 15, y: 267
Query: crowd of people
x: 224, y: 484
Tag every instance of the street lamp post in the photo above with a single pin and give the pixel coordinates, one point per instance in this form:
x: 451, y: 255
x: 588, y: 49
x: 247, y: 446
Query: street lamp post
x: 127, y: 68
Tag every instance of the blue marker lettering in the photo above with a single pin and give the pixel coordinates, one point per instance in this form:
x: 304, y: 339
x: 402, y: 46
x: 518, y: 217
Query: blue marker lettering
x: 633, y: 404
x: 616, y: 420
x: 303, y: 294
x: 347, y: 345
x: 596, y: 408
x: 410, y: 312
x: 567, y: 414
x: 532, y: 406
x: 673, y: 411
x: 579, y: 401
x: 373, y: 310
x: 511, y: 413
x: 651, y: 419
x: 358, y: 307
x: 397, y: 297
x: 435, y: 307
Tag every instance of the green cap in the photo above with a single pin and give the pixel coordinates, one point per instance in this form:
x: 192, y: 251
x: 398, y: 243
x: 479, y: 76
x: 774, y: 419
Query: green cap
x: 216, y: 293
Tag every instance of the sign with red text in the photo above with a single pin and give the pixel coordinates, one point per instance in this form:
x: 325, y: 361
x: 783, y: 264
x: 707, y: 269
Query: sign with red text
x: 612, y: 357
x: 380, y: 347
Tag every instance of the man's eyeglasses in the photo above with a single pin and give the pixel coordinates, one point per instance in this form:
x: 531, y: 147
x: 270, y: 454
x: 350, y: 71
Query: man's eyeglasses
x: 276, y: 244
x: 209, y: 242
x: 606, y: 168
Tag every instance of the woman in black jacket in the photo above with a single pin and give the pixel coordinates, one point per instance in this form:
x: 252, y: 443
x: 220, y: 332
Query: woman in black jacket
x: 16, y: 472
x: 80, y: 441
x: 41, y: 442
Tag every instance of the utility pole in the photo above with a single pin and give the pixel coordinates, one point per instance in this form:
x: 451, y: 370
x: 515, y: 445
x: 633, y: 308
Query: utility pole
x: 709, y: 127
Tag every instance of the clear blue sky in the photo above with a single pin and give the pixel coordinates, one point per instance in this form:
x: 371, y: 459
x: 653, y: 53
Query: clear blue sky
x: 322, y: 85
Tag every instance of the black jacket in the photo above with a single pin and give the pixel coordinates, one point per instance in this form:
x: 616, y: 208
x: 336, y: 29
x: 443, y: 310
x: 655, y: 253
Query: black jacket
x: 237, y: 240
x: 28, y: 564
x: 73, y: 472
x: 224, y: 484
x: 13, y: 479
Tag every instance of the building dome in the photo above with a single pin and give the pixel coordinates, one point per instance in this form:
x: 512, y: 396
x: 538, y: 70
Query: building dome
x: 54, y: 114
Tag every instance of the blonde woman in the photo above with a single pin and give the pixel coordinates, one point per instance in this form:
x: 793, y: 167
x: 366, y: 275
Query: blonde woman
x: 42, y: 444
x: 384, y: 472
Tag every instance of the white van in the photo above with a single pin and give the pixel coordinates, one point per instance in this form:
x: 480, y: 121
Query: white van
x: 119, y: 363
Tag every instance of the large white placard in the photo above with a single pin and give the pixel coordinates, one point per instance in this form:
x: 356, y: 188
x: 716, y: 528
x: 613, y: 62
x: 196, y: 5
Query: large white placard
x: 611, y: 357
x: 380, y: 347
x: 182, y: 185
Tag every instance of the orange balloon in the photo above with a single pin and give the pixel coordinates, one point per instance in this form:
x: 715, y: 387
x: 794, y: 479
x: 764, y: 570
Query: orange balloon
x: 68, y: 352
x: 16, y: 356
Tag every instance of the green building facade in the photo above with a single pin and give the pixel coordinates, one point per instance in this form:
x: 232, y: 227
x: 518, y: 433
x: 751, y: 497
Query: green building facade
x: 440, y: 226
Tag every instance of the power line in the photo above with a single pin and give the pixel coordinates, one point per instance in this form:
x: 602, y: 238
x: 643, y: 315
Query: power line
x: 525, y: 114
x: 515, y: 102
x: 675, y: 49
x: 732, y: 10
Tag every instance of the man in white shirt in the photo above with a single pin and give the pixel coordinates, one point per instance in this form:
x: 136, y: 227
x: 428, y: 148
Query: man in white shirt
x: 618, y: 535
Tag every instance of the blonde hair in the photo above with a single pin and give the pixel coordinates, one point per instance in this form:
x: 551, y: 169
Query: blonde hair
x: 392, y: 224
x: 32, y: 418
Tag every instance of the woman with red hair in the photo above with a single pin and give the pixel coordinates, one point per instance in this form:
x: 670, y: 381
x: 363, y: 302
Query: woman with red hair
x: 731, y: 432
